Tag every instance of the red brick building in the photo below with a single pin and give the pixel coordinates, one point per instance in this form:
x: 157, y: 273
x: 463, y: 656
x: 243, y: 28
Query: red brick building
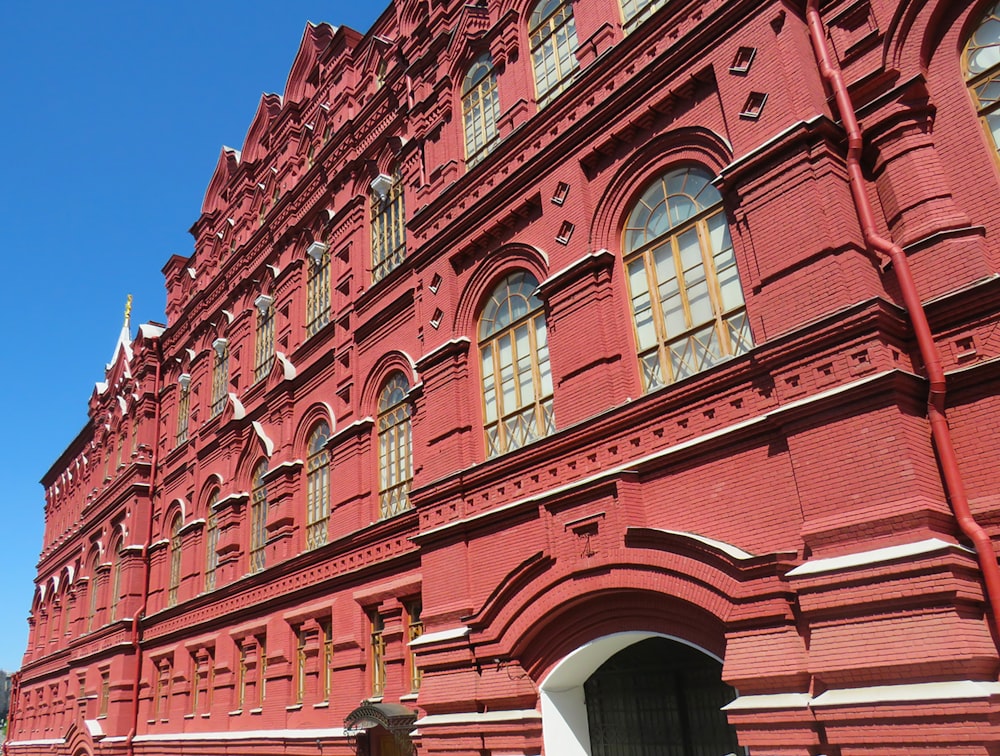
x: 579, y: 378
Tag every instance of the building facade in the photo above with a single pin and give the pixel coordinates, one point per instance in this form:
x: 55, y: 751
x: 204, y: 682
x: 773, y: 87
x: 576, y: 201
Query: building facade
x: 586, y: 378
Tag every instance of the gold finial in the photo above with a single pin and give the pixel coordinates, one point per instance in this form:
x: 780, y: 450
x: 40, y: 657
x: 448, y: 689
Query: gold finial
x: 128, y: 310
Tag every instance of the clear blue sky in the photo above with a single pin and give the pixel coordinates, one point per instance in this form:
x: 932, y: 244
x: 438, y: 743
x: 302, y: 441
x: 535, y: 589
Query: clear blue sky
x: 113, y: 115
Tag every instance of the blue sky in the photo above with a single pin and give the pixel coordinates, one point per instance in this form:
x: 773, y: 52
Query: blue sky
x: 113, y: 116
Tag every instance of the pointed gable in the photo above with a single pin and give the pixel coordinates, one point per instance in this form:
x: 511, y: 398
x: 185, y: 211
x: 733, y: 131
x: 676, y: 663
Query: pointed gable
x: 255, y: 144
x: 315, y: 39
x: 229, y: 161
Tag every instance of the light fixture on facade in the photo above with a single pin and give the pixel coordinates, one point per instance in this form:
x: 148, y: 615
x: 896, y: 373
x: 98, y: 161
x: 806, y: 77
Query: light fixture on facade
x: 381, y: 185
x: 316, y: 250
x: 263, y: 303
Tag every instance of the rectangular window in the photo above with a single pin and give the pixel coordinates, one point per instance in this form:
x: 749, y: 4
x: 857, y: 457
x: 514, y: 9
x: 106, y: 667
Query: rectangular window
x: 377, y: 653
x: 264, y: 337
x: 261, y: 671
x: 415, y: 628
x: 241, y: 677
x: 203, y: 679
x: 161, y: 698
x: 326, y: 657
x: 183, y: 409
x: 300, y: 663
x: 388, y: 225
x: 220, y: 376
x: 195, y: 682
x: 105, y: 696
x: 317, y: 288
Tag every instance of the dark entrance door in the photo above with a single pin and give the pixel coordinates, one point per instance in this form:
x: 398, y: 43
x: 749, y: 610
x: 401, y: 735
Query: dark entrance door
x: 659, y: 698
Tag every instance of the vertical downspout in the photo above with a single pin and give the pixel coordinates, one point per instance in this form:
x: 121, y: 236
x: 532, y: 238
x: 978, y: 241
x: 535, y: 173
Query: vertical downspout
x: 940, y: 433
x: 141, y: 612
x: 15, y: 692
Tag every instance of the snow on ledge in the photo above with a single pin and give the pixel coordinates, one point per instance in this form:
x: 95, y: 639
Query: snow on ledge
x: 440, y: 635
x: 875, y: 556
x: 727, y: 548
x: 25, y: 743
x: 317, y: 734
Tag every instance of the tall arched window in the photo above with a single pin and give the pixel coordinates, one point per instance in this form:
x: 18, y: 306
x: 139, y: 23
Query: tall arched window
x: 514, y: 352
x: 552, y: 34
x: 95, y: 561
x: 685, y: 289
x: 258, y: 518
x: 175, y: 559
x: 318, y: 487
x: 480, y: 109
x: 395, y: 459
x: 982, y: 71
x: 388, y: 225
x: 211, y: 542
x: 116, y: 582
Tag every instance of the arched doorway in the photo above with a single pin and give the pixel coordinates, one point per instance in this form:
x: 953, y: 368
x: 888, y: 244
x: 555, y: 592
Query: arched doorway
x: 637, y: 694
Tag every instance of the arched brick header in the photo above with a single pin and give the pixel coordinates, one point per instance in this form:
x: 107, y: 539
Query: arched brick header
x: 211, y: 485
x: 385, y: 366
x: 177, y: 506
x: 320, y: 411
x: 699, y: 146
x: 490, y: 272
x: 915, y: 33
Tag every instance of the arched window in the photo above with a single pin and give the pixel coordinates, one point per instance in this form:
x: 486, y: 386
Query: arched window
x: 394, y: 447
x: 258, y: 518
x: 211, y: 542
x: 92, y: 591
x: 982, y: 71
x: 514, y: 352
x: 552, y: 34
x: 684, y: 286
x: 317, y: 487
x: 480, y: 109
x: 388, y: 225
x: 116, y: 582
x: 175, y: 559
x: 637, y: 11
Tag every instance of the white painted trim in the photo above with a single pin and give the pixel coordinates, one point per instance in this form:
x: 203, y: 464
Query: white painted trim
x: 441, y: 635
x: 727, y: 548
x: 445, y: 345
x: 329, y: 732
x: 473, y: 717
x: 874, y: 556
x: 662, y: 453
x: 934, y: 691
x: 565, y: 728
x: 770, y: 701
x: 49, y: 741
x: 589, y: 257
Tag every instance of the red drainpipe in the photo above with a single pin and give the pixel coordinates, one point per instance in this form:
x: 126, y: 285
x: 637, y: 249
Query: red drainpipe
x: 138, y: 615
x: 15, y: 692
x: 941, y: 434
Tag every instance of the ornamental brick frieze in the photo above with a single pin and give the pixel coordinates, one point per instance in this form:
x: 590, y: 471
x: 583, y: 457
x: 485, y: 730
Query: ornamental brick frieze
x: 656, y: 424
x: 347, y: 566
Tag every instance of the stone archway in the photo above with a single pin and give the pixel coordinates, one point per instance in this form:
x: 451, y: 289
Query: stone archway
x: 636, y: 693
